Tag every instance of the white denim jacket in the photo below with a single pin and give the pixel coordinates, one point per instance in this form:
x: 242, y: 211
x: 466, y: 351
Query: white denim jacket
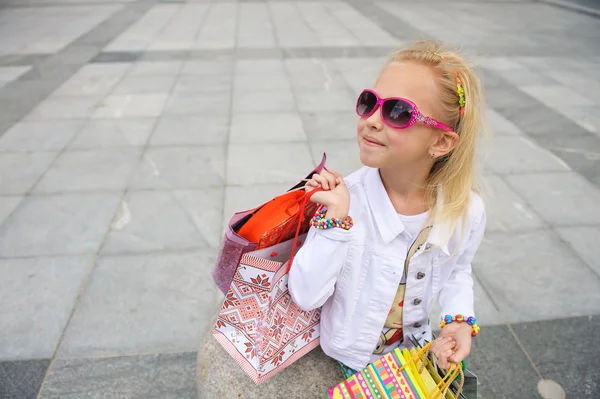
x: 354, y: 274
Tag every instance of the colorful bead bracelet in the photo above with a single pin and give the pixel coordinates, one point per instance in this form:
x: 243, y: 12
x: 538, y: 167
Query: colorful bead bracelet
x: 319, y: 221
x: 459, y: 319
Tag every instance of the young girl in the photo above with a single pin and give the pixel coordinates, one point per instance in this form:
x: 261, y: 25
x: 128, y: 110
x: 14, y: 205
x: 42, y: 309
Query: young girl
x: 405, y: 227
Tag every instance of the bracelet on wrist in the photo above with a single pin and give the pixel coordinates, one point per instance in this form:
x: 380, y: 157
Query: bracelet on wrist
x: 459, y: 319
x: 321, y: 222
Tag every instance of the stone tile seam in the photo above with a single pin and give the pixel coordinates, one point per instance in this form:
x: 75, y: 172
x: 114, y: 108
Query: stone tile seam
x: 68, y: 322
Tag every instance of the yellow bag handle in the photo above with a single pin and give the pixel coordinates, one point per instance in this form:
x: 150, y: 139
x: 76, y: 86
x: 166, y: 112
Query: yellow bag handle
x: 443, y: 386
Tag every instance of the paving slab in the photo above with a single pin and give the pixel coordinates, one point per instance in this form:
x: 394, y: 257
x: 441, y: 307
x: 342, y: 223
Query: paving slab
x: 38, y: 295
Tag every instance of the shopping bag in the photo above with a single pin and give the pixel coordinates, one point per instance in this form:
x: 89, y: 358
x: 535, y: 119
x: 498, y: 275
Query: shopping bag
x: 399, y: 374
x: 469, y: 385
x: 233, y: 245
x: 259, y: 324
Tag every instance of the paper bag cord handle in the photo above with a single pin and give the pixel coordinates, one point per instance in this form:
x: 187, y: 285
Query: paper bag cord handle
x: 300, y: 216
x: 443, y: 386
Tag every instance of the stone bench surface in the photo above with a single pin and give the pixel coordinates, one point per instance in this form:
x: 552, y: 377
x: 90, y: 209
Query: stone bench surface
x: 220, y: 377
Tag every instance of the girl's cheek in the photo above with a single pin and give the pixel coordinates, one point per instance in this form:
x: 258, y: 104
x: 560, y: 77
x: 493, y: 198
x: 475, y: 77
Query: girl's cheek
x: 361, y: 125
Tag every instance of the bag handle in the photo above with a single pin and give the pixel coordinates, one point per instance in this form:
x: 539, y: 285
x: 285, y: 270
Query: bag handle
x: 443, y: 386
x: 300, y: 216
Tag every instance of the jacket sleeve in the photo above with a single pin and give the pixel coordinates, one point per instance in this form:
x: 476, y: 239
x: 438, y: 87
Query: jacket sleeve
x: 456, y: 296
x: 317, y: 265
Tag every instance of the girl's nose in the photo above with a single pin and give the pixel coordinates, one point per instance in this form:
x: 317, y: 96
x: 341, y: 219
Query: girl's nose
x: 374, y: 121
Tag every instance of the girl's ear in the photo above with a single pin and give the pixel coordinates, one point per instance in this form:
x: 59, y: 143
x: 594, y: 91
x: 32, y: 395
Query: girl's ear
x: 445, y: 143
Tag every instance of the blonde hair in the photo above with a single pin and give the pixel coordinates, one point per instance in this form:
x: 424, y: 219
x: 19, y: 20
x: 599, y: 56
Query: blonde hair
x: 456, y: 171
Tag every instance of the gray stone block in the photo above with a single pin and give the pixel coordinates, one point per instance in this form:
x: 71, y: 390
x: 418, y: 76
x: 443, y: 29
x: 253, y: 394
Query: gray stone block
x: 555, y: 96
x: 87, y: 85
x: 507, y: 211
x: 263, y: 82
x: 20, y: 171
x: 120, y: 377
x: 266, y: 127
x: 37, y: 296
x: 7, y: 206
x: 152, y: 68
x: 203, y: 84
x: 61, y: 224
x: 503, y: 369
x: 207, y: 67
x: 581, y: 152
x: 175, y: 377
x: 330, y: 125
x: 584, y: 240
x: 65, y: 107
x: 519, y: 272
x: 576, y: 368
x: 562, y: 199
x: 259, y: 66
x: 499, y: 125
x: 110, y: 133
x: 40, y: 136
x: 191, y: 130
x: 143, y: 304
x: 199, y: 104
x: 131, y: 106
x: 325, y: 100
x: 263, y: 101
x: 22, y: 379
x: 134, y: 84
x: 320, y: 81
x: 162, y: 220
x: 308, y: 378
x: 181, y: 168
x: 268, y: 163
x: 92, y: 170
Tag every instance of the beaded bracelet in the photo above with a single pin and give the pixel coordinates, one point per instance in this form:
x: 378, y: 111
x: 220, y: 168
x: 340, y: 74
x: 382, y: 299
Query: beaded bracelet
x: 459, y: 319
x: 321, y: 222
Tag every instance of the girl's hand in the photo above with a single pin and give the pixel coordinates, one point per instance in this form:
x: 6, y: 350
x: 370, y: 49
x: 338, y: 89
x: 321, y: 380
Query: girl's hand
x: 461, y: 334
x: 335, y: 197
x: 443, y: 348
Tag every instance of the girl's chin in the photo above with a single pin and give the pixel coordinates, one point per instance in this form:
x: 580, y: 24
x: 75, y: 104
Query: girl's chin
x: 371, y: 160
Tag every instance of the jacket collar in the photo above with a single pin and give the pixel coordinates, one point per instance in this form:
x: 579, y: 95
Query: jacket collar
x: 387, y: 220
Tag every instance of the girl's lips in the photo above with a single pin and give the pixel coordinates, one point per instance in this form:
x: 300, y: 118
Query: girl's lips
x: 371, y: 142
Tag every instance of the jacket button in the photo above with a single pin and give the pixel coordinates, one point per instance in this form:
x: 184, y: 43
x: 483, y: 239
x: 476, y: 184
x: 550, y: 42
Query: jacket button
x: 417, y: 301
x: 420, y: 275
x: 417, y: 325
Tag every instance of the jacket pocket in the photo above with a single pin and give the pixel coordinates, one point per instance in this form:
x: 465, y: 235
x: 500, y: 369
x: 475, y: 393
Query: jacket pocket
x: 349, y: 288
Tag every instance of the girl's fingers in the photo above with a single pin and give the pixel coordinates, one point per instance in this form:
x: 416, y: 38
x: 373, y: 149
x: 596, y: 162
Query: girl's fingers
x: 442, y: 348
x: 461, y: 354
x: 443, y: 363
x: 445, y: 350
x: 310, y: 185
x: 339, y: 179
x: 337, y: 175
x: 322, y: 181
x: 439, y: 342
x: 331, y: 179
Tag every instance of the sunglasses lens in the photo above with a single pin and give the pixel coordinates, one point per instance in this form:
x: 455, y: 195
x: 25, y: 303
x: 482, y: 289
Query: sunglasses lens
x: 397, y: 113
x: 366, y: 102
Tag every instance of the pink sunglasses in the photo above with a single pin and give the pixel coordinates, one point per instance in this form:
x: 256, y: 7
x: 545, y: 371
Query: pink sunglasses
x: 398, y: 113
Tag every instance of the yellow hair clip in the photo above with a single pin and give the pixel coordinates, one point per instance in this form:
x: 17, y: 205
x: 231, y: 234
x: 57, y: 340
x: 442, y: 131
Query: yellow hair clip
x: 461, y: 94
